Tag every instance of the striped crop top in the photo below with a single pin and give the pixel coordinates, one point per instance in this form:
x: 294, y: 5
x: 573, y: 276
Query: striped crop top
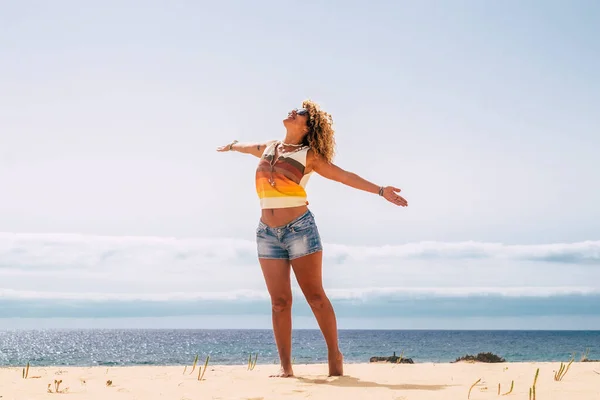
x: 280, y: 183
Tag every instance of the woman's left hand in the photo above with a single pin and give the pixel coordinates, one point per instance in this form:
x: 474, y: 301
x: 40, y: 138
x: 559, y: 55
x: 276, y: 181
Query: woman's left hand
x: 389, y: 193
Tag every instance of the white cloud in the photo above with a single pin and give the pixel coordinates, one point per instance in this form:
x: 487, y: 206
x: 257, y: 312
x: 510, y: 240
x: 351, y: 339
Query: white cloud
x: 86, y: 249
x: 107, y: 296
x: 71, y: 266
x: 582, y: 252
x: 335, y: 294
x: 457, y: 291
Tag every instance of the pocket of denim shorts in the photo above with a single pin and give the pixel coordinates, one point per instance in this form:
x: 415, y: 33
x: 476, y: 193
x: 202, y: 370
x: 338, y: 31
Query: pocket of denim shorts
x: 260, y: 228
x: 303, y: 225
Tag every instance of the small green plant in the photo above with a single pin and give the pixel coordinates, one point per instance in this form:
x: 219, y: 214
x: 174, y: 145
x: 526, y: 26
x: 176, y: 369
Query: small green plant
x: 585, y: 355
x: 472, y: 386
x: 201, y: 371
x: 26, y: 371
x: 512, y: 386
x: 532, y: 388
x: 194, y: 366
x: 399, y: 360
x: 252, y: 364
x: 57, y: 387
x: 562, y: 371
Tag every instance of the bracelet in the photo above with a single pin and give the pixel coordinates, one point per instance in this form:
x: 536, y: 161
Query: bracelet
x: 231, y: 144
x: 381, y: 190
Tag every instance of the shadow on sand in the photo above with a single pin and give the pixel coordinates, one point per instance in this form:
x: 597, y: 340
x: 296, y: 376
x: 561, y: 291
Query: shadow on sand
x: 349, y: 381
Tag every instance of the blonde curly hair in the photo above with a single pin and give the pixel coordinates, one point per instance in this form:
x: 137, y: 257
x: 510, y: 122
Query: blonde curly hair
x: 320, y: 136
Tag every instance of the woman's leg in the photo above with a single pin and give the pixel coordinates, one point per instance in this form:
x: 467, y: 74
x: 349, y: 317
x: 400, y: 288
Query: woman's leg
x: 277, y: 278
x: 308, y: 273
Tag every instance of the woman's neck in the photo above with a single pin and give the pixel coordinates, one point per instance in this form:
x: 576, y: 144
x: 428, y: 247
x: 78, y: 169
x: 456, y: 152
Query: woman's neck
x: 293, y: 138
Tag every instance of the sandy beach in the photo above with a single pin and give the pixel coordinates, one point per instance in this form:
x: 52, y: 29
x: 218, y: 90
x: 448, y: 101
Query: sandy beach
x: 361, y: 381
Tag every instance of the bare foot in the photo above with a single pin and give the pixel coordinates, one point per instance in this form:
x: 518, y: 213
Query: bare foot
x: 284, y: 373
x: 336, y: 364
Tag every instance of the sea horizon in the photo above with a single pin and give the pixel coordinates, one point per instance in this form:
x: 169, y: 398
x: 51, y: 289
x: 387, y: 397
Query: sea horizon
x: 302, y: 329
x: 179, y: 346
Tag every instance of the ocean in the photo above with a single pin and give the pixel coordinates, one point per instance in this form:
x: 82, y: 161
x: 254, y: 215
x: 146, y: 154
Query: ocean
x: 98, y: 347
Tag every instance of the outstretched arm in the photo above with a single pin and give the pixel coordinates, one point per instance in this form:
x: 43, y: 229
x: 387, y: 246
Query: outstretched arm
x: 331, y: 171
x: 256, y: 149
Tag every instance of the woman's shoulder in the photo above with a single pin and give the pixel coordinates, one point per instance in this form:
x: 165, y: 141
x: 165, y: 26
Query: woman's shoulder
x: 270, y: 142
x: 312, y: 157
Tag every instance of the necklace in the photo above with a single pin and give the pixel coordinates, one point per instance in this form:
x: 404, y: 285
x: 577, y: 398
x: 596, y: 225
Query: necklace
x: 290, y: 144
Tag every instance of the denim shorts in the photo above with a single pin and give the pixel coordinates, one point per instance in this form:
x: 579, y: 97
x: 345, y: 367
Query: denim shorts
x: 298, y: 238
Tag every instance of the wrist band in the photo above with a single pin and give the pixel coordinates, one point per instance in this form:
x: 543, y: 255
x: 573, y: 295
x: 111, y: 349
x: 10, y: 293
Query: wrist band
x: 381, y: 190
x: 231, y: 144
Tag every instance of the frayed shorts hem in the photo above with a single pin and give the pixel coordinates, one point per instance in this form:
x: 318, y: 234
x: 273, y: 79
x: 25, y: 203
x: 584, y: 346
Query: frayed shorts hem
x: 294, y: 257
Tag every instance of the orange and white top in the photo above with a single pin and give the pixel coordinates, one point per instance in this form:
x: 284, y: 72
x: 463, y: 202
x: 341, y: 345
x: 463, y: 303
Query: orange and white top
x: 281, y: 182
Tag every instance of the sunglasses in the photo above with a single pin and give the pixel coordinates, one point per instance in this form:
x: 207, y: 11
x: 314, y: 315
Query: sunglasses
x: 301, y: 111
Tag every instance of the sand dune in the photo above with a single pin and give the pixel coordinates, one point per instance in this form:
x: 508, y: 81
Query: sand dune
x: 362, y: 381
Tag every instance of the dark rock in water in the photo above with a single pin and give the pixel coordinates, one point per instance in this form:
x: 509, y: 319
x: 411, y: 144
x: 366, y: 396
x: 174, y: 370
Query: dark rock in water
x: 482, y: 357
x: 393, y: 359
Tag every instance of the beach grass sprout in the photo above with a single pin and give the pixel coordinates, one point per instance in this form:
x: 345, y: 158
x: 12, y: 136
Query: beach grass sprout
x: 251, y: 363
x: 57, y: 388
x: 512, y: 386
x: 471, y: 388
x: 202, y: 371
x: 399, y: 360
x: 26, y: 371
x: 585, y: 355
x: 194, y: 366
x: 532, y: 388
x: 562, y: 371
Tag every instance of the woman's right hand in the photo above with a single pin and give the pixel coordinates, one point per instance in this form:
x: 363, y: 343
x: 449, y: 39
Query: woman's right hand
x: 226, y: 147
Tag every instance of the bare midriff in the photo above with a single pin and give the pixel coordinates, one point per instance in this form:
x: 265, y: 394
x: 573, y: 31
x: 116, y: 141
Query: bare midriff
x: 275, y: 217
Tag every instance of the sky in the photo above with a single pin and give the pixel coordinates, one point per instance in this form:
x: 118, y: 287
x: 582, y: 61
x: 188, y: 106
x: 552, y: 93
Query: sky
x: 116, y: 210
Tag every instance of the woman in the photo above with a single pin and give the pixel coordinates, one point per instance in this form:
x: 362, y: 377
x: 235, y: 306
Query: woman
x: 287, y: 235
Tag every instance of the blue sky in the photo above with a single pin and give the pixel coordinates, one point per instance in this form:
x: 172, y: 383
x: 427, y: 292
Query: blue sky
x: 115, y: 204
